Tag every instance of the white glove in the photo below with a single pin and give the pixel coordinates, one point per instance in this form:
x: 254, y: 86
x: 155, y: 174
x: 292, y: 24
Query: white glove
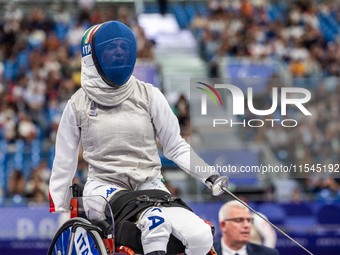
x: 216, y: 183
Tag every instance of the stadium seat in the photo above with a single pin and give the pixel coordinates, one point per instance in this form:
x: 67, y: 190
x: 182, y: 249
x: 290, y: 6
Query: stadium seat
x: 180, y: 15
x: 36, y: 152
x: 190, y: 11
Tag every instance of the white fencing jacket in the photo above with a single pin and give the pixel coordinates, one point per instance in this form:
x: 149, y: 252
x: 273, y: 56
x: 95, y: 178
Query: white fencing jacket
x: 117, y: 129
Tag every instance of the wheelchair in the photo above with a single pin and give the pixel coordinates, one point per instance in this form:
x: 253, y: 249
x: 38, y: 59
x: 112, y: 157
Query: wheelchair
x: 91, y: 230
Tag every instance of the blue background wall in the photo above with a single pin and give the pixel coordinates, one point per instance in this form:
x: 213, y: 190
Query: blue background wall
x: 28, y: 230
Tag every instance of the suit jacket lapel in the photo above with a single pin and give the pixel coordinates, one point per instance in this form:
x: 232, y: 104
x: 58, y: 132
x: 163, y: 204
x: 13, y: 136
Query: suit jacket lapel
x: 250, y: 249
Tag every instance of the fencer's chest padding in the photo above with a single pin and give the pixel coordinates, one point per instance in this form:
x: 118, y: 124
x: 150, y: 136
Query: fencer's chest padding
x: 119, y: 142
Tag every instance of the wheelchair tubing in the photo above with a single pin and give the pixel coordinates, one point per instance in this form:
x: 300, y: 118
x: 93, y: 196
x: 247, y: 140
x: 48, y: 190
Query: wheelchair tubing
x: 94, y: 235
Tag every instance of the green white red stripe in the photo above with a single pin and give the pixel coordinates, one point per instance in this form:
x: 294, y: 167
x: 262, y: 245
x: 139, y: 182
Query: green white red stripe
x: 89, y: 33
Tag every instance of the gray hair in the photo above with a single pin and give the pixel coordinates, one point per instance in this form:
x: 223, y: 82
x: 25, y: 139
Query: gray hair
x: 224, y: 210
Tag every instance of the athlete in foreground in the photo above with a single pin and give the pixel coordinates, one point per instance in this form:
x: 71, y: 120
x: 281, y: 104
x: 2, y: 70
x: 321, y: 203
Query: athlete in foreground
x: 117, y: 119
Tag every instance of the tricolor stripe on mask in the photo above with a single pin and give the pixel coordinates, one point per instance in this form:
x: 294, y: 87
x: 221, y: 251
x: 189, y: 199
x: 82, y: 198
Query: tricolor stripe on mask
x: 87, y: 38
x: 89, y: 33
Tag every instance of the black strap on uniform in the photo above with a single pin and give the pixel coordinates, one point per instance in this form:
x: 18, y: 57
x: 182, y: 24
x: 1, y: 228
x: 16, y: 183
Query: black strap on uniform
x: 126, y: 204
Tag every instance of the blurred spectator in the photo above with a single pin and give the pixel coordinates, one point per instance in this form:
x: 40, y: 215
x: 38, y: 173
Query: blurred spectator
x: 86, y: 4
x: 54, y: 128
x: 144, y: 45
x: 43, y: 171
x: 62, y: 16
x: 247, y: 8
x: 124, y: 15
x: 35, y: 186
x: 13, y: 13
x: 26, y: 128
x: 182, y: 111
x: 242, y: 28
x: 16, y: 183
x: 37, y: 198
x: 199, y: 22
x: 97, y: 16
x: 297, y: 68
x: 163, y: 5
x: 74, y: 36
x: 35, y: 92
x: 296, y: 196
x: 7, y: 121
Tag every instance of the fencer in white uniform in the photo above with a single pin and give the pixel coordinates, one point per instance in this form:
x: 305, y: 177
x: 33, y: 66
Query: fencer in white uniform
x: 117, y: 119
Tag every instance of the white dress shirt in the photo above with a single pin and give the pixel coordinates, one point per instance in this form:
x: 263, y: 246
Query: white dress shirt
x: 227, y: 251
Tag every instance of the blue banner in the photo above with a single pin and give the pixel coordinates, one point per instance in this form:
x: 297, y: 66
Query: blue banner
x: 18, y: 247
x: 28, y: 230
x: 25, y: 223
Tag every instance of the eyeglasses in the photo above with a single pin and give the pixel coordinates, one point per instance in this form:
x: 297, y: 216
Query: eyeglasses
x: 241, y: 220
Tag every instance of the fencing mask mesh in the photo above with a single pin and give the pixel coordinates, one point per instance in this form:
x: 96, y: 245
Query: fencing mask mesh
x: 114, y: 52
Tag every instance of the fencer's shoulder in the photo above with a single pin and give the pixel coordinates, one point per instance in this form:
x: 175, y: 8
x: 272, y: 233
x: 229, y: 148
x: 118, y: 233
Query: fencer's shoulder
x: 79, y: 99
x: 143, y: 89
x: 152, y: 90
x: 142, y: 83
x: 79, y: 94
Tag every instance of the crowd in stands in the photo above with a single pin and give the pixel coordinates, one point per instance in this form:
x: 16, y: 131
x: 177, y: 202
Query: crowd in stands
x: 244, y: 28
x: 40, y: 69
x: 40, y: 61
x: 297, y: 37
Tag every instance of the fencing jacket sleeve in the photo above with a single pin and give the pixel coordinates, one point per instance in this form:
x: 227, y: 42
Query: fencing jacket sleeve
x: 175, y: 147
x: 65, y: 161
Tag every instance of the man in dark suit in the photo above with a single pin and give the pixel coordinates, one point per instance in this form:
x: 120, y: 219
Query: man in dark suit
x: 235, y: 223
